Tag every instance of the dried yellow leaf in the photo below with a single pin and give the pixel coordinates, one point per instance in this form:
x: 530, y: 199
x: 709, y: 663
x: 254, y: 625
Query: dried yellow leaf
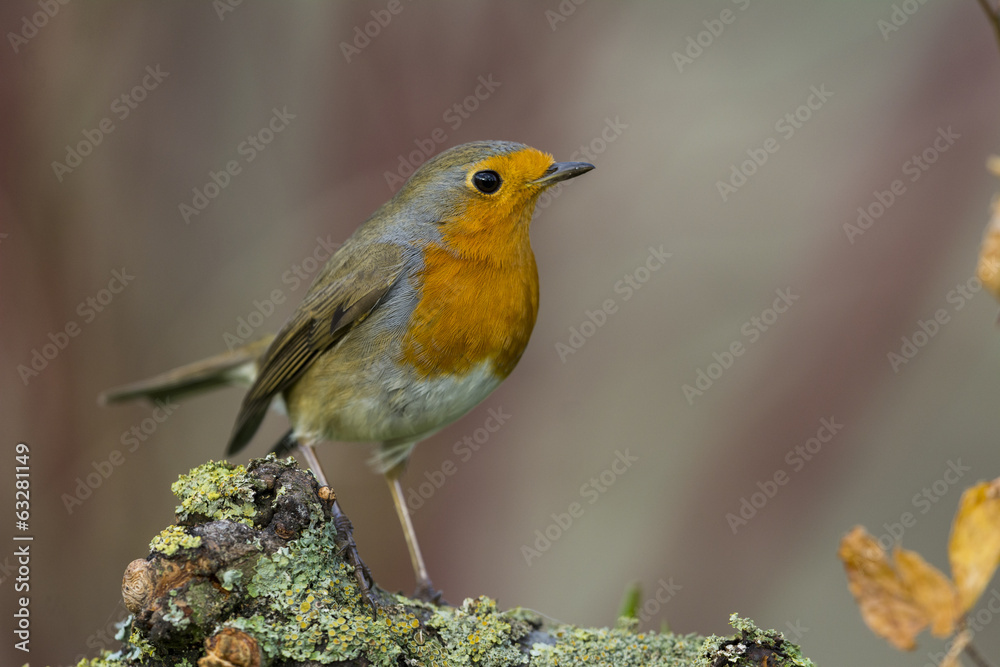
x: 932, y: 591
x: 974, y: 547
x: 988, y: 268
x: 887, y: 606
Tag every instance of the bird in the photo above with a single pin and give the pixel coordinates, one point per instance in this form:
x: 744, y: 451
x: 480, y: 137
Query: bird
x: 424, y: 310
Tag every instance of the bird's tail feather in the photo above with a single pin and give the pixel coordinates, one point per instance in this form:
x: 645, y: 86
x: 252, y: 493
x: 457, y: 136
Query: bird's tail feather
x: 236, y: 367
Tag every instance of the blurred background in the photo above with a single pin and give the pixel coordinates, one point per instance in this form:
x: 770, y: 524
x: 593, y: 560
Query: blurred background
x: 740, y: 136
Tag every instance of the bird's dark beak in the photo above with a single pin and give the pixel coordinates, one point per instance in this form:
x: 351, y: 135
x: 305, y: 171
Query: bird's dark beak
x: 560, y: 171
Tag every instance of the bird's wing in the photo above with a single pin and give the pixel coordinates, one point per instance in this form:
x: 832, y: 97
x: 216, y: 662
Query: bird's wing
x: 346, y: 297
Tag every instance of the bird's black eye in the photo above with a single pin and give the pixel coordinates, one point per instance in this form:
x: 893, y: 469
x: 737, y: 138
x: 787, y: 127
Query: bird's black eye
x: 486, y: 182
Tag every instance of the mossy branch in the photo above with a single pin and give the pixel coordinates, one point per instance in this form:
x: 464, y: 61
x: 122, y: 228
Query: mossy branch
x: 249, y: 577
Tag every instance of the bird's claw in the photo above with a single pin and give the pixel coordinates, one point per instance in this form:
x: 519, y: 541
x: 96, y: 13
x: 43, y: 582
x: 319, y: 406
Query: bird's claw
x: 348, y: 550
x: 427, y: 593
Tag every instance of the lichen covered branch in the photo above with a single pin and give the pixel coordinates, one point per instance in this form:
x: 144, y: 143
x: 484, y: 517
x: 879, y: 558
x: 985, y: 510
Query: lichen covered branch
x: 250, y: 577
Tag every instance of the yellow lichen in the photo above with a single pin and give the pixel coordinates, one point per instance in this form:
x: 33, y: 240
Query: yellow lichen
x: 173, y: 538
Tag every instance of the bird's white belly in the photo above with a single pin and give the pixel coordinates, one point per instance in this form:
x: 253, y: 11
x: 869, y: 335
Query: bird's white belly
x: 407, y: 408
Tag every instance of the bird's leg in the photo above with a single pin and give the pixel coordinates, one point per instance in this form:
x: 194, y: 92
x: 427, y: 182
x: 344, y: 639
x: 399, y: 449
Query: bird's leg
x: 425, y: 589
x: 349, y: 549
x: 289, y: 444
x: 309, y: 454
x: 345, y: 531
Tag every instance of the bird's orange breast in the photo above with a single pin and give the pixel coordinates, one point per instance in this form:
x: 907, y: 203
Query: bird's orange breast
x: 472, y: 310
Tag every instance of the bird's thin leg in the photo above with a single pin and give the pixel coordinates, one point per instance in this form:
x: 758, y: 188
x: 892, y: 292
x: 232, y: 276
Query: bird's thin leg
x: 425, y: 589
x: 289, y: 444
x: 309, y: 454
x: 345, y: 531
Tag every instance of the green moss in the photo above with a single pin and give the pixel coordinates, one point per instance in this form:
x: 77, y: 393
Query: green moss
x: 607, y: 647
x: 621, y: 647
x: 118, y: 658
x: 476, y: 634
x: 176, y: 616
x: 525, y: 615
x: 109, y: 659
x: 173, y: 538
x: 231, y: 578
x: 141, y: 649
x: 315, y: 611
x: 734, y: 651
x: 215, y: 491
x: 302, y: 605
x: 750, y: 632
x: 106, y: 659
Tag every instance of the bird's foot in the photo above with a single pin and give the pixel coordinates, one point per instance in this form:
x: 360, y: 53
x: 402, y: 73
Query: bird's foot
x: 362, y: 575
x: 348, y: 550
x: 427, y: 593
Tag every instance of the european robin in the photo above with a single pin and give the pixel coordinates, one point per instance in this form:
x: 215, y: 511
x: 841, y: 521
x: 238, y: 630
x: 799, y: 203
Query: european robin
x: 413, y: 321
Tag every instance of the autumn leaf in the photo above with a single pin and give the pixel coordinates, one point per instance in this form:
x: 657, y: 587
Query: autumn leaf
x: 974, y: 547
x: 898, y: 597
x: 932, y: 591
x: 988, y: 269
x: 886, y: 606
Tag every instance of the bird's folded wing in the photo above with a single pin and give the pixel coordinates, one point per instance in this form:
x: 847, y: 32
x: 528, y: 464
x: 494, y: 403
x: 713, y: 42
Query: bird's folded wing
x: 335, y: 304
